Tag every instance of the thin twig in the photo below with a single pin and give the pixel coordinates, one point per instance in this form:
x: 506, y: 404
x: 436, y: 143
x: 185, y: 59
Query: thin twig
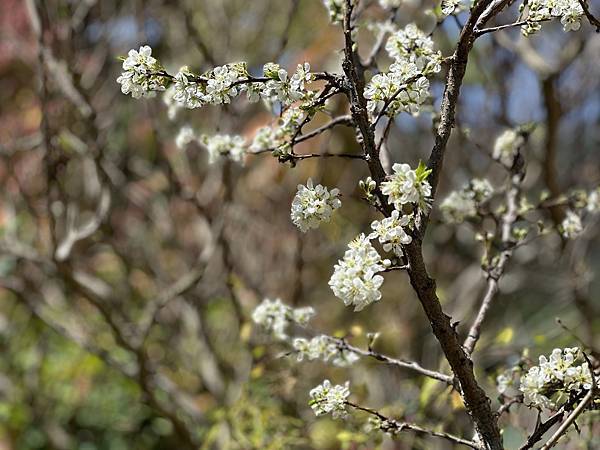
x: 342, y: 344
x: 501, y: 27
x: 394, y: 426
x: 508, y: 219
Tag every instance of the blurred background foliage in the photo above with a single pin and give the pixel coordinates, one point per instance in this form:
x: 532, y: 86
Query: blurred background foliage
x: 141, y: 339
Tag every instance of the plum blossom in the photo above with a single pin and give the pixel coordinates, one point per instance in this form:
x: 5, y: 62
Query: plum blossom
x: 219, y: 145
x: 506, y: 147
x: 402, y: 89
x: 325, y: 348
x: 463, y: 204
x: 593, y: 201
x: 274, y: 317
x: 390, y: 232
x: 335, y: 9
x: 313, y: 205
x: 326, y: 399
x: 449, y: 6
x: 185, y: 136
x: 570, y: 13
x: 406, y: 185
x: 140, y: 76
x: 555, y: 379
x: 283, y: 88
x: 355, y: 279
x: 411, y: 45
x: 571, y: 226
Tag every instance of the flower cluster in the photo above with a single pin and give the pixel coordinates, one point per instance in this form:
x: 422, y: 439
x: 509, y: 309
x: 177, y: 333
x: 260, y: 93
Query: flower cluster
x: 141, y: 74
x: 274, y: 317
x: 411, y: 45
x: 221, y: 84
x: 463, y: 204
x: 402, y: 89
x: 508, y: 380
x: 569, y: 11
x: 336, y: 10
x: 571, y: 226
x: 405, y: 86
x: 593, y: 201
x: 507, y: 146
x: 406, y: 185
x: 185, y: 136
x: 390, y: 232
x: 313, y: 205
x: 277, y: 139
x: 220, y: 145
x: 325, y: 348
x: 283, y: 88
x: 552, y: 383
x: 355, y: 278
x: 450, y: 6
x: 326, y: 399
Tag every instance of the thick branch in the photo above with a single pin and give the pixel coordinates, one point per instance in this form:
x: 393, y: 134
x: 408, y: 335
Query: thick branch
x: 476, y: 401
x: 358, y: 104
x: 590, y: 17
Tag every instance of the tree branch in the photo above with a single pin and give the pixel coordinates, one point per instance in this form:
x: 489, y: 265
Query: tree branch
x: 370, y: 353
x: 590, y: 17
x: 508, y: 246
x: 394, y: 426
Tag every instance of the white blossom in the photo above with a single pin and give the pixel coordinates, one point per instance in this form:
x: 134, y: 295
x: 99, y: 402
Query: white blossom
x: 274, y: 317
x: 570, y: 13
x: 593, y: 201
x: 265, y: 138
x: 506, y: 147
x: 335, y: 9
x: 411, y: 45
x: 221, y: 86
x: 508, y: 380
x: 503, y: 382
x: 406, y: 185
x: 325, y: 348
x: 449, y: 6
x: 187, y: 93
x: 404, y: 87
x: 313, y: 205
x: 283, y: 88
x: 233, y: 147
x: 462, y: 204
x: 355, y: 279
x: 326, y: 399
x: 390, y: 232
x: 140, y: 76
x: 303, y: 315
x: 168, y: 100
x: 185, y: 136
x: 277, y: 138
x: 571, y: 225
x: 555, y: 379
x: 396, y: 90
